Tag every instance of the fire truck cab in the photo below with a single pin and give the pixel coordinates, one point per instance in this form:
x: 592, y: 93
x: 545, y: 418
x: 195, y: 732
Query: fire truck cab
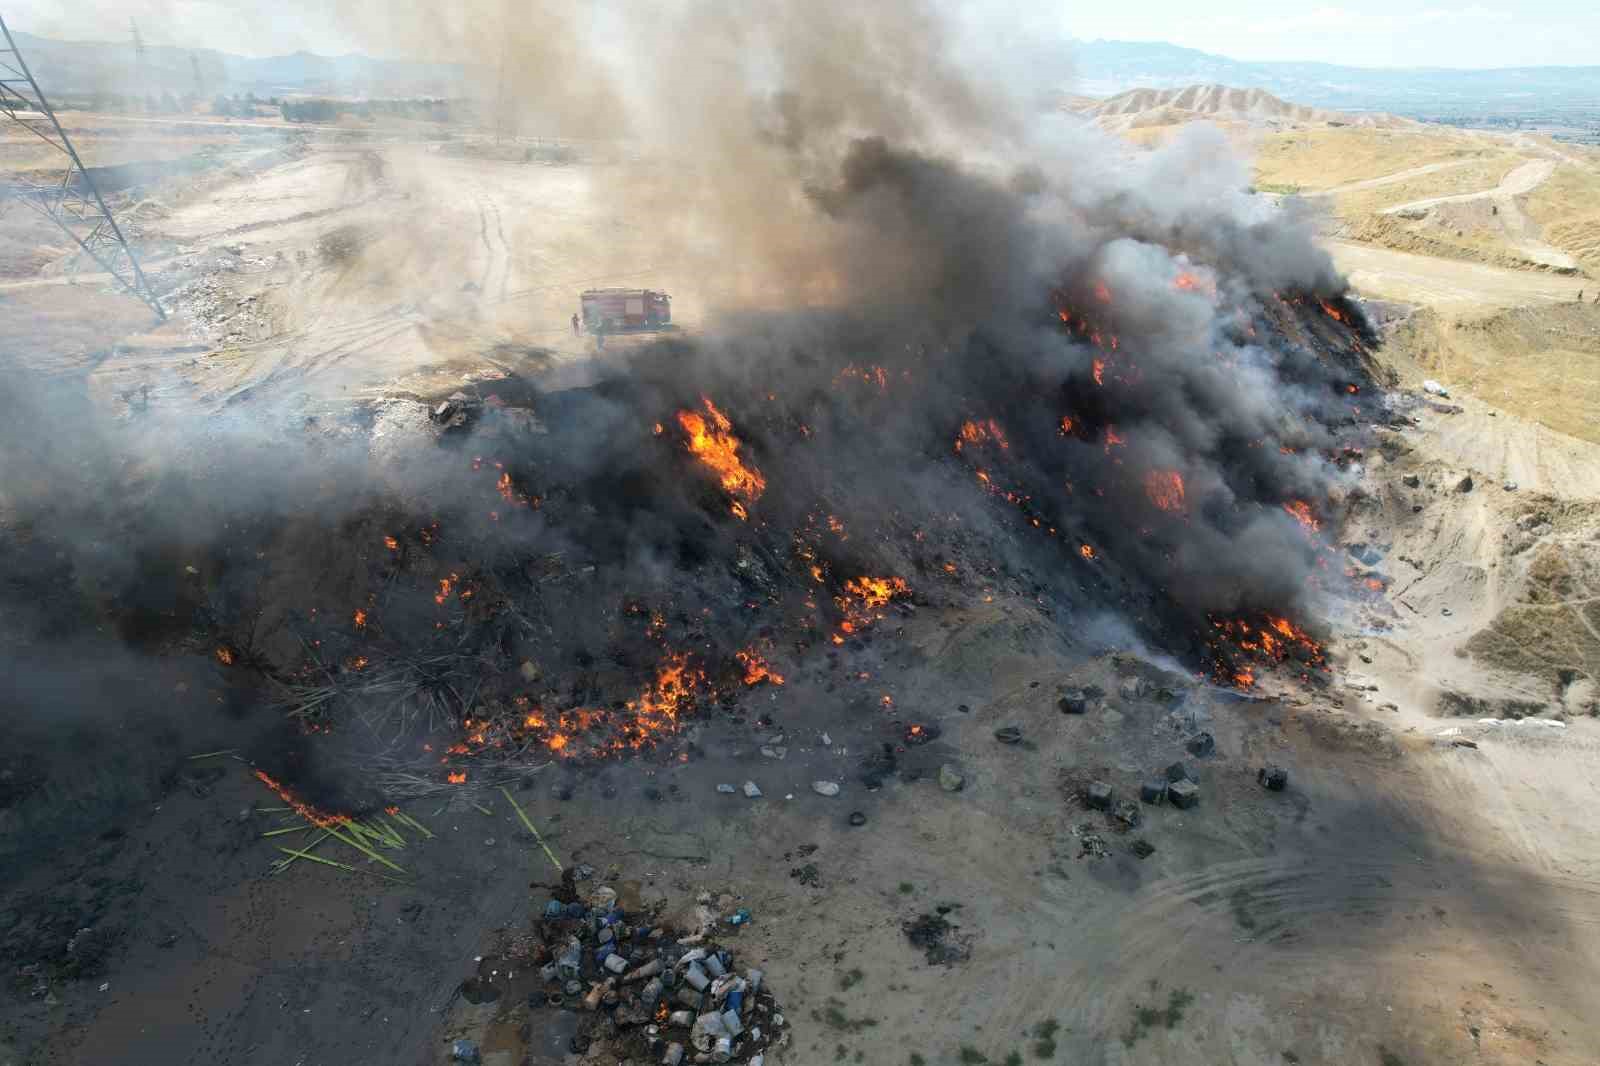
x: 624, y: 310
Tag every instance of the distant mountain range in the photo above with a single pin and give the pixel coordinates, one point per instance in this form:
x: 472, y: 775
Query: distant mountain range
x: 1095, y: 68
x: 1102, y: 68
x: 87, y: 67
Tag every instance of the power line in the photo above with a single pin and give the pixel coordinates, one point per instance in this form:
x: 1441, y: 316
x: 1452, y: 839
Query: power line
x: 70, y: 200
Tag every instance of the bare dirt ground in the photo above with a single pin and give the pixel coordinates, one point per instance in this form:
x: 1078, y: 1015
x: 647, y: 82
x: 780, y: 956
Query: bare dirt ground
x: 1409, y: 901
x: 1448, y: 284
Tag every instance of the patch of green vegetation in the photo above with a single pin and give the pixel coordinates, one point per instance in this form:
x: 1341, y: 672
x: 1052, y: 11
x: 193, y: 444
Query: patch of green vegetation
x: 833, y: 1016
x: 849, y: 980
x: 840, y: 1053
x: 1044, y: 1039
x: 1146, y: 1018
x: 906, y: 888
x: 918, y: 1060
x: 971, y: 1056
x: 1014, y: 1058
x: 1389, y: 1058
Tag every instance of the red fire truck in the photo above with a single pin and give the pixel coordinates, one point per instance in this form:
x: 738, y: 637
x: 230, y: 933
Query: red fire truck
x: 624, y: 310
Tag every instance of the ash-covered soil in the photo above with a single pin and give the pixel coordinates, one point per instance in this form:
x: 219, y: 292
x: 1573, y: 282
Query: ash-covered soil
x: 1357, y: 910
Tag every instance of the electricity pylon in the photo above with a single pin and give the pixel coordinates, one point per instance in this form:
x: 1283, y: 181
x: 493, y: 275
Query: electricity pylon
x: 71, y: 199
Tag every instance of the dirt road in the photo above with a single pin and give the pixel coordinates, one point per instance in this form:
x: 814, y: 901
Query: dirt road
x: 1389, y: 179
x: 1447, y: 284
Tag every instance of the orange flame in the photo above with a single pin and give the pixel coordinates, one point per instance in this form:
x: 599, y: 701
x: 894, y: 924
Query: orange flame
x: 392, y: 544
x: 877, y: 591
x: 984, y: 432
x: 1086, y: 550
x: 1274, y: 639
x: 456, y: 777
x: 756, y: 668
x: 445, y: 585
x: 361, y: 618
x: 862, y: 598
x: 224, y: 655
x: 714, y: 444
x: 870, y: 375
x: 1301, y: 512
x: 304, y: 810
x: 1099, y: 371
x: 1066, y: 426
x: 1165, y: 489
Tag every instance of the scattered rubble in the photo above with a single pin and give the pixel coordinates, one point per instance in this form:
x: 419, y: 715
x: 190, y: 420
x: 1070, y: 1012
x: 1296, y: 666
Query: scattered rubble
x: 950, y: 779
x: 456, y: 411
x: 1076, y: 700
x: 645, y: 992
x: 938, y: 939
x: 1273, y: 778
x: 1183, y: 794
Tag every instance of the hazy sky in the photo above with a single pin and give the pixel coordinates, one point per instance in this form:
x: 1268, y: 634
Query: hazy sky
x: 1362, y: 32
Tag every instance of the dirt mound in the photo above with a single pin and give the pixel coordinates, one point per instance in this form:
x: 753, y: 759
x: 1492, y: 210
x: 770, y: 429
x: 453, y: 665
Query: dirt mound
x: 1551, y: 628
x: 1445, y: 235
x: 1540, y: 362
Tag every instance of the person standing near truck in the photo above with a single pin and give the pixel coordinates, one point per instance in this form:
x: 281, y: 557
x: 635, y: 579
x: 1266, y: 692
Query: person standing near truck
x: 574, y: 325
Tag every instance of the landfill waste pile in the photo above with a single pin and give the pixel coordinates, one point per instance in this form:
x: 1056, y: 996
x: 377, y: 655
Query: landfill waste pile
x: 648, y: 992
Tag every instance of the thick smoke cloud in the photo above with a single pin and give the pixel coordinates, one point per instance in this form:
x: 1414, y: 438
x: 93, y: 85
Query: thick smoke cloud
x: 892, y: 251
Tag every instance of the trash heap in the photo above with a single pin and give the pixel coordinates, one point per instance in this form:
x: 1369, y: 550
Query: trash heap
x: 653, y: 993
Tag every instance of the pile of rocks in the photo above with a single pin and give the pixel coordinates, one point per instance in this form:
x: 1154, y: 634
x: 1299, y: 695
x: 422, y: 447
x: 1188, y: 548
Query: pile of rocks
x: 652, y: 994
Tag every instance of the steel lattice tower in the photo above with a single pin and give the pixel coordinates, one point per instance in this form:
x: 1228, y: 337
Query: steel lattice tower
x: 71, y: 200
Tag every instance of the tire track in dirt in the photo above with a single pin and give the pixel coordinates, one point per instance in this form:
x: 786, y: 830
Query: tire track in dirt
x: 1285, y: 915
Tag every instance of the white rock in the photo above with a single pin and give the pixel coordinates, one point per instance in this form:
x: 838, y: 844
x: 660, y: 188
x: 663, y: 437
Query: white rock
x: 825, y: 788
x: 752, y: 790
x: 1433, y: 388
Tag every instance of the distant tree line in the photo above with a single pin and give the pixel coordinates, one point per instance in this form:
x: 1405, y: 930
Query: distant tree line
x: 321, y: 110
x: 240, y: 106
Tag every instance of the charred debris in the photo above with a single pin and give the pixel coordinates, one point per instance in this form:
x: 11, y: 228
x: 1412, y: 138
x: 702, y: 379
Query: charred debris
x: 595, y: 566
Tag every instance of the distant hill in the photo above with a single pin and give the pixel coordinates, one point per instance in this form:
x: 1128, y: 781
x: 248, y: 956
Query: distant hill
x: 95, y: 66
x: 1104, y: 68
x: 1090, y: 68
x: 1142, y: 108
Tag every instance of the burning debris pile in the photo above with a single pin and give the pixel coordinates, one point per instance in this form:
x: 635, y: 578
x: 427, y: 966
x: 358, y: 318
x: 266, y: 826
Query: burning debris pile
x: 644, y: 991
x: 1118, y: 406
